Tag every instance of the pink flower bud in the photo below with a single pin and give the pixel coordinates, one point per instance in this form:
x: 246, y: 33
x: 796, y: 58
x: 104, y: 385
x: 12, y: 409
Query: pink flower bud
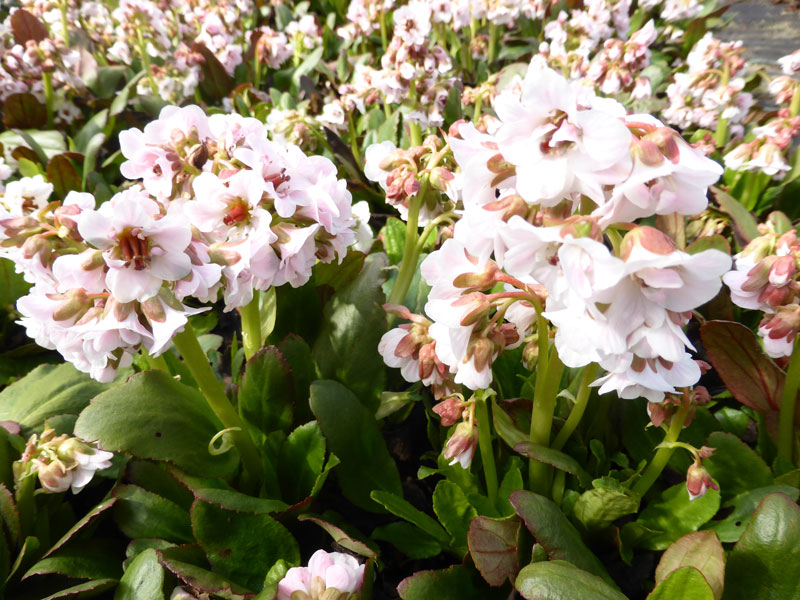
x: 460, y: 448
x: 698, y: 481
x: 782, y: 271
x: 450, y: 410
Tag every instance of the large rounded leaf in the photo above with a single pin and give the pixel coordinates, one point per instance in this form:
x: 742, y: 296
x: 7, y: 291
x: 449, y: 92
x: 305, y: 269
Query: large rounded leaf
x: 154, y: 416
x: 45, y: 392
x: 765, y: 563
x: 559, y: 580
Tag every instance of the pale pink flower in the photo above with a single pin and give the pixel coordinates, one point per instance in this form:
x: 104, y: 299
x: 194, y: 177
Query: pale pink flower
x: 141, y: 247
x: 331, y: 569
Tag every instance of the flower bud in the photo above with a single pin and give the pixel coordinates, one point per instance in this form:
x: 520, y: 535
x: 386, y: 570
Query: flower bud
x: 478, y: 280
x: 530, y: 355
x: 649, y: 238
x: 460, y: 448
x: 450, y: 410
x: 782, y: 271
x: 698, y: 481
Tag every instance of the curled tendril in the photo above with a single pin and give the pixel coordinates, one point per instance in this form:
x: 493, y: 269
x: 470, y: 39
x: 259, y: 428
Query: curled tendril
x: 226, y: 443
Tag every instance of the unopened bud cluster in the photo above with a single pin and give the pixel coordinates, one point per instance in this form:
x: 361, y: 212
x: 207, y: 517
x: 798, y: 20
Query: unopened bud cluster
x: 767, y: 278
x: 61, y: 462
x: 328, y: 576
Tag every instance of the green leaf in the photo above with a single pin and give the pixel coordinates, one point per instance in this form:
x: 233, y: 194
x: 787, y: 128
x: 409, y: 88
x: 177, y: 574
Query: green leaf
x: 90, y: 158
x: 301, y: 460
x: 554, y: 458
x: 701, y: 550
x: 765, y: 563
x: 308, y: 64
x: 455, y: 583
x: 298, y: 356
x: 242, y: 545
x: 559, y: 580
x: 751, y: 376
x: 599, y: 508
x: 143, y: 580
x: 46, y: 144
x: 10, y: 516
x: 120, y: 102
x: 92, y: 560
x: 268, y: 309
x: 512, y: 481
x: 555, y: 533
x: 730, y: 529
x: 156, y: 477
x: 354, y: 437
x: 686, y: 583
x: 137, y: 418
x: 236, y: 501
x: 143, y: 514
x: 12, y: 284
x: 403, y: 509
x: 674, y: 515
x: 493, y: 547
x: 388, y: 131
x: 745, y: 224
x: 455, y: 512
x: 342, y: 538
x: 45, y: 392
x: 735, y: 466
x: 90, y: 589
x: 408, y: 539
x: 353, y: 323
x: 88, y: 519
x: 265, y: 394
x: 92, y: 127
x: 452, y: 108
x: 204, y: 580
x: 393, y: 235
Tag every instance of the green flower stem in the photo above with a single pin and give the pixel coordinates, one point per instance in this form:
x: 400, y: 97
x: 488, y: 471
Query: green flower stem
x: 214, y: 391
x: 353, y: 138
x: 47, y: 80
x: 580, y: 407
x: 544, y: 405
x: 493, y: 35
x: 408, y: 265
x: 251, y: 326
x: 478, y: 106
x: 721, y: 134
x: 256, y: 72
x: 157, y: 363
x: 415, y: 134
x: 485, y: 446
x: 146, y: 60
x: 64, y: 23
x: 794, y: 107
x: 664, y: 453
x: 788, y: 401
x: 384, y: 39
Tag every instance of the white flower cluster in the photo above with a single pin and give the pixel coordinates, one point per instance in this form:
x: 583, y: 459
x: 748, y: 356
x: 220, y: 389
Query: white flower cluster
x: 564, y: 168
x: 220, y: 209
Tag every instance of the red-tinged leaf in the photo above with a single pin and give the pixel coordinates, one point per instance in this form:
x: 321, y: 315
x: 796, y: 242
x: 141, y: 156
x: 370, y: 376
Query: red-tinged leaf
x: 493, y: 546
x: 27, y: 27
x: 24, y: 152
x: 701, y: 550
x: 10, y: 515
x: 749, y: 374
x: 24, y: 111
x: 342, y: 538
x: 87, y: 520
x: 455, y: 583
x: 62, y: 174
x: 216, y: 83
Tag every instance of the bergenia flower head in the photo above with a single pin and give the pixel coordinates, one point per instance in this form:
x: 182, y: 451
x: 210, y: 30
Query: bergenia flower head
x: 329, y: 575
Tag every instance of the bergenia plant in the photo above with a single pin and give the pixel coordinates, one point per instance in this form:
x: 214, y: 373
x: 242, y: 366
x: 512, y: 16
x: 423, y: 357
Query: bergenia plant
x: 417, y: 299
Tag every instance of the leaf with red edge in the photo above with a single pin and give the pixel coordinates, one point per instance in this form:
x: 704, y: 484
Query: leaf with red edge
x: 216, y: 83
x: 493, y: 546
x: 24, y: 111
x: 749, y: 374
x: 27, y: 27
x: 455, y: 583
x: 62, y: 174
x: 744, y: 223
